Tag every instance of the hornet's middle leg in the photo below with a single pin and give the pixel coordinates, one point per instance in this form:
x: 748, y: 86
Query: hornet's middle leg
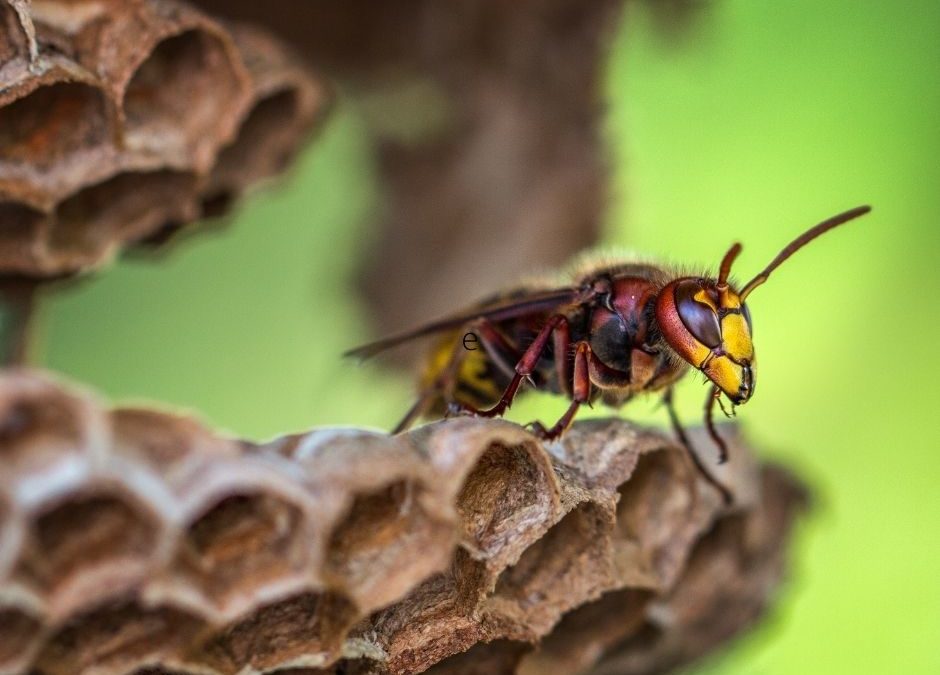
x: 580, y: 394
x: 684, y: 439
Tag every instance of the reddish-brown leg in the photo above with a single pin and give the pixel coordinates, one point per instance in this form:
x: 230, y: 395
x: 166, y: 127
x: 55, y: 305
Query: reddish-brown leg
x: 561, y: 340
x: 684, y: 439
x: 501, y: 352
x: 710, y: 425
x: 497, y: 347
x: 581, y: 393
x: 523, y: 369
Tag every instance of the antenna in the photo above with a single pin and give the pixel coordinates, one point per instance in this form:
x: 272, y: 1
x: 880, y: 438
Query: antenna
x: 797, y: 244
x: 725, y: 270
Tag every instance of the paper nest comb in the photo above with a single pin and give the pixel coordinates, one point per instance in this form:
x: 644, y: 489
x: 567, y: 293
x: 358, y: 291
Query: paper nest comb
x: 136, y: 541
x: 121, y: 120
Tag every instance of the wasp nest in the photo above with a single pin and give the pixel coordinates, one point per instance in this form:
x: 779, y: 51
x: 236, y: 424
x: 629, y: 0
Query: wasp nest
x: 138, y: 541
x: 120, y: 119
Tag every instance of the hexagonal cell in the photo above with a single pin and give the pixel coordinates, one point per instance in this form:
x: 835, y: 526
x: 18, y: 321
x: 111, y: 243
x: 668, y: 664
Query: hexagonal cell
x: 386, y: 545
x: 263, y: 147
x: 39, y: 424
x: 584, y: 634
x: 724, y: 587
x: 179, y: 93
x: 498, y: 657
x: 569, y: 565
x: 88, y: 545
x: 502, y: 501
x: 653, y: 536
x: 644, y: 651
x: 242, y: 542
x: 304, y: 626
x: 20, y: 634
x: 162, y: 440
x: 123, y: 208
x: 21, y: 237
x: 53, y: 121
x: 433, y: 621
x: 118, y: 637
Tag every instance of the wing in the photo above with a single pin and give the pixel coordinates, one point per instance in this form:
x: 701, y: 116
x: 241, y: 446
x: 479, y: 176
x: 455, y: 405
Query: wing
x: 534, y: 303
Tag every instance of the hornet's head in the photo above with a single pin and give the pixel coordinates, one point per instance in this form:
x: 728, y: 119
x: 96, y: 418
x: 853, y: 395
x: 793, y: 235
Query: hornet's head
x: 708, y: 324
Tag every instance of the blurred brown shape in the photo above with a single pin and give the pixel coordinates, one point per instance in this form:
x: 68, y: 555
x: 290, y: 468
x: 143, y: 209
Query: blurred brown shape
x: 131, y: 116
x: 485, y: 117
x: 139, y: 541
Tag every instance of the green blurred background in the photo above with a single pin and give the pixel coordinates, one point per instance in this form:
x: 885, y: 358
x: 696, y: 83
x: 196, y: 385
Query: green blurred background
x: 755, y: 121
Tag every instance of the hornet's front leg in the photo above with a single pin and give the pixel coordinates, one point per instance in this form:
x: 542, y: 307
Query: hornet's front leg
x: 713, y: 397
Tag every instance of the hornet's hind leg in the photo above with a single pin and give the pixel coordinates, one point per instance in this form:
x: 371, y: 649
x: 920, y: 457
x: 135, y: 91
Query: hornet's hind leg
x: 524, y: 367
x: 416, y: 411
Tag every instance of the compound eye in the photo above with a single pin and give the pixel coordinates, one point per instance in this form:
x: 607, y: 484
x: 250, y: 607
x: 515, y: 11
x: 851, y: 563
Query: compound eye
x: 698, y: 317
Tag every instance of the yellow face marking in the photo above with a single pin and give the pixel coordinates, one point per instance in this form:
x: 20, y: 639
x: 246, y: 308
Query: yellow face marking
x: 723, y: 365
x: 705, y: 299
x: 727, y: 374
x: 736, y: 337
x: 735, y: 334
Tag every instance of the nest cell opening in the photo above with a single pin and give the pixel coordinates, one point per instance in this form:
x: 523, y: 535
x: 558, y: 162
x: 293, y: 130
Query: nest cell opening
x: 242, y: 542
x: 123, y: 208
x: 217, y: 203
x: 179, y: 94
x: 117, y: 637
x: 36, y: 425
x: 483, y: 658
x: 52, y: 122
x: 385, y: 545
x: 505, y: 489
x: 20, y: 236
x: 585, y: 633
x: 19, y: 634
x: 83, y: 534
x: 645, y: 639
x: 266, y: 139
x: 658, y: 495
x: 303, y: 625
x: 570, y: 556
x: 155, y: 438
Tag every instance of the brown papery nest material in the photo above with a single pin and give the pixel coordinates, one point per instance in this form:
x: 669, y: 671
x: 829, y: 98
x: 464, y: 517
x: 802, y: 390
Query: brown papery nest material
x: 123, y: 120
x: 139, y: 541
x: 485, y: 119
